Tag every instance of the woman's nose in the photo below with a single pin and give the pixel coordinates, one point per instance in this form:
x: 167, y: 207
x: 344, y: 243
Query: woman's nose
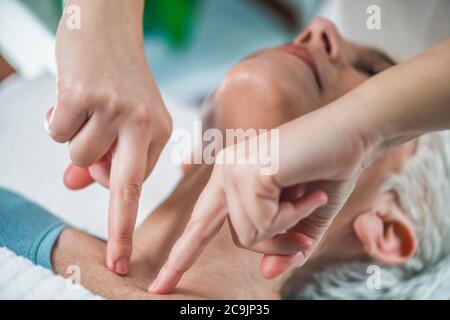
x: 322, y: 33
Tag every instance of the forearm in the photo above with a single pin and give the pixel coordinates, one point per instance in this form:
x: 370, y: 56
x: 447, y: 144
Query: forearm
x: 109, y: 19
x: 81, y: 257
x: 122, y: 10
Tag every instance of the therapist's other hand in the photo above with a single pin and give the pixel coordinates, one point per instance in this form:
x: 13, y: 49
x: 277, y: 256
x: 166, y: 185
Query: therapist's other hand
x: 283, y: 215
x: 110, y: 110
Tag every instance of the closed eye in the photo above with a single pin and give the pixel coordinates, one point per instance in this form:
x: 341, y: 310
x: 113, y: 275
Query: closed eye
x: 374, y: 62
x: 369, y: 71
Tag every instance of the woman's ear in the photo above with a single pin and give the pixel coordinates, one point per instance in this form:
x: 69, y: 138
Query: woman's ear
x: 385, y: 232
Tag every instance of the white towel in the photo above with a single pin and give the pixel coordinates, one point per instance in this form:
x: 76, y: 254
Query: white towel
x: 21, y: 279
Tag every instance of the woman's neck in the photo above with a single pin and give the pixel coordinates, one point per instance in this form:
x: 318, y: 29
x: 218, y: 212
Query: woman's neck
x: 228, y: 271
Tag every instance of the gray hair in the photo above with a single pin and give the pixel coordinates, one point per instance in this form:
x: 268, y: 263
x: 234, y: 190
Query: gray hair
x: 423, y: 190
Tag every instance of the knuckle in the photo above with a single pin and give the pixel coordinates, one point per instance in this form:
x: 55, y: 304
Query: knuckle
x: 130, y: 193
x: 309, y: 244
x: 167, y: 129
x: 143, y: 117
x: 63, y: 91
x: 238, y: 243
x: 246, y: 240
x: 195, y: 229
x: 85, y: 96
x: 58, y: 134
x: 265, y: 183
x: 78, y: 158
x: 116, y: 107
x: 122, y: 240
x: 173, y: 269
x: 264, y: 229
x: 74, y: 94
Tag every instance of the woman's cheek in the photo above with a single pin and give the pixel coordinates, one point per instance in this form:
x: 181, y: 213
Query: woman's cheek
x: 350, y: 79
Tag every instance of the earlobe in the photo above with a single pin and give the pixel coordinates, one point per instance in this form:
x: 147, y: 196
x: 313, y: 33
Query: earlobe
x: 385, y: 232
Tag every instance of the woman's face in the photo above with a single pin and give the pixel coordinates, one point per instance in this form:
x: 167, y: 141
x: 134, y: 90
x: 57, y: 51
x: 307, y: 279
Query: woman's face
x: 317, y: 68
x: 280, y: 84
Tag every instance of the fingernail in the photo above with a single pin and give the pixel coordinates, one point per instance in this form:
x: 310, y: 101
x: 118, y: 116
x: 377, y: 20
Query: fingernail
x: 301, y: 191
x: 47, y: 126
x: 121, y: 266
x: 323, y: 201
x: 47, y: 119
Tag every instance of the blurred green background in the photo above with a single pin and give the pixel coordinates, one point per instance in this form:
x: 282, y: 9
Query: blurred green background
x: 173, y: 20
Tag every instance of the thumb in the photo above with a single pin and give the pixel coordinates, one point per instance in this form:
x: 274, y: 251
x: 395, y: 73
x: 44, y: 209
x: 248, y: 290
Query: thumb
x: 76, y: 178
x: 272, y: 266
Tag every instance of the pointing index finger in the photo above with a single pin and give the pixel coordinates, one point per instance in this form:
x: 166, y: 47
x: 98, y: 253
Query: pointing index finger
x: 206, y: 220
x: 127, y: 175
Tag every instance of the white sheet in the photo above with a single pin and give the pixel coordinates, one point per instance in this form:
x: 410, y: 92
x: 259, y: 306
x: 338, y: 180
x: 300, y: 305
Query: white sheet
x: 408, y: 27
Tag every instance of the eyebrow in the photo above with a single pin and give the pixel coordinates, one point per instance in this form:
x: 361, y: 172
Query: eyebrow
x: 383, y: 56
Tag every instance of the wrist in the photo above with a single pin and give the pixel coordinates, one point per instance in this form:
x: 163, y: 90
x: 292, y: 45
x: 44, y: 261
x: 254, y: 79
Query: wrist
x: 379, y: 119
x: 106, y: 27
x: 360, y: 116
x: 406, y: 101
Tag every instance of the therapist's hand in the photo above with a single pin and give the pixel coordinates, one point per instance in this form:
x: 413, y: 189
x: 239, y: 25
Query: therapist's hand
x: 283, y: 215
x: 110, y: 110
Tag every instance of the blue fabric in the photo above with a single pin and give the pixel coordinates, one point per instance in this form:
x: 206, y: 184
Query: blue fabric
x: 27, y: 229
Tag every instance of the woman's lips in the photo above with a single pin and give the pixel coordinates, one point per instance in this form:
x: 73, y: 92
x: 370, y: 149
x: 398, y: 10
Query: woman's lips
x: 305, y: 55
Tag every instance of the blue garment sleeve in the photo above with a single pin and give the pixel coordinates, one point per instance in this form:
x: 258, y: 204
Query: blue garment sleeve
x: 27, y: 229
